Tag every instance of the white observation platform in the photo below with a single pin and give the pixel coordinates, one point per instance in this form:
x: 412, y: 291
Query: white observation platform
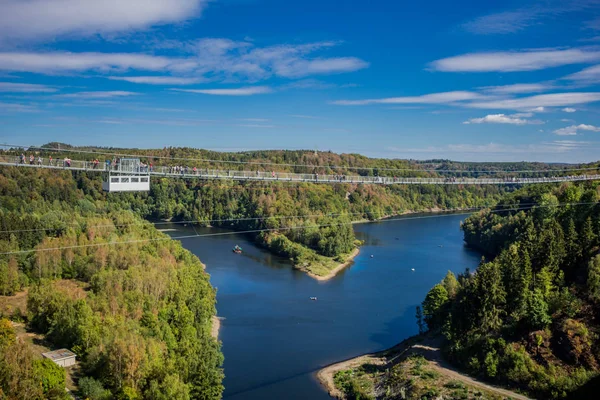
x: 127, y: 175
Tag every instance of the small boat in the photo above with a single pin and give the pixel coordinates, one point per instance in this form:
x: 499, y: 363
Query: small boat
x: 237, y: 249
x: 412, y: 269
x: 313, y: 298
x: 372, y: 256
x: 440, y: 245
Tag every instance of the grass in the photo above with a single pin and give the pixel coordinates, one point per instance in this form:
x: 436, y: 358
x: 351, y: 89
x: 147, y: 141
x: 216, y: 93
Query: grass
x: 414, y: 378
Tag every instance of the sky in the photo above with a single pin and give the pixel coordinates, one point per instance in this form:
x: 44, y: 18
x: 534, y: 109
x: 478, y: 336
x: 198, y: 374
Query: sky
x: 461, y: 80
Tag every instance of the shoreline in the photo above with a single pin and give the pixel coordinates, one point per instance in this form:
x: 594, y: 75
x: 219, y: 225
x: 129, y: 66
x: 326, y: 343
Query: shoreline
x: 215, y: 327
x: 326, y: 374
x: 337, y: 269
x: 426, y: 346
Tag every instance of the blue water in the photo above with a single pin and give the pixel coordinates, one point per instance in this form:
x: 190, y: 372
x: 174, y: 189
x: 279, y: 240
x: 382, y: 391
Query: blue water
x: 275, y: 338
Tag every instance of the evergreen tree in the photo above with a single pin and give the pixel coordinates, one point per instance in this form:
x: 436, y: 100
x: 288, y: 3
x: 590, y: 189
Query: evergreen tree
x: 588, y: 237
x: 593, y: 279
x: 420, y: 324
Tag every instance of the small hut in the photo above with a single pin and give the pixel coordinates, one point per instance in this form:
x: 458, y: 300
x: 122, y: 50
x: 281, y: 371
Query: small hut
x: 62, y: 357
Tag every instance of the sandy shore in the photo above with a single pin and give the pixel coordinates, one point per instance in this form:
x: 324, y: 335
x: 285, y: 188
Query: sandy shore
x: 337, y: 269
x: 216, y: 326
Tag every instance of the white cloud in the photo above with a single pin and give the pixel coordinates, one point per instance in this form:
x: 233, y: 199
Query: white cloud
x: 158, y: 80
x: 41, y: 19
x: 256, y: 126
x: 589, y: 75
x: 214, y: 59
x: 536, y: 104
x: 574, y: 129
x: 512, y: 21
x: 510, y: 61
x: 433, y: 98
x: 502, y: 119
x: 518, y: 88
x: 522, y: 115
x: 539, y: 102
x: 99, y: 94
x: 244, y: 91
x: 63, y: 62
x: 569, y: 110
x: 25, y: 88
x: 17, y: 108
x: 538, y: 109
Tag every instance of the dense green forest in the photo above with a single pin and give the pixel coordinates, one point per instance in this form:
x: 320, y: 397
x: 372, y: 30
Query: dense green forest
x: 139, y: 315
x: 528, y: 316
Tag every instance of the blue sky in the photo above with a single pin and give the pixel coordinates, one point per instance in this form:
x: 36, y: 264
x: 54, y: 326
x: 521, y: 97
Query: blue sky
x: 465, y: 80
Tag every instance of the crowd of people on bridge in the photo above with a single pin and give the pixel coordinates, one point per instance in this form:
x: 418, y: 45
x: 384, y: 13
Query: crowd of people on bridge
x: 115, y: 164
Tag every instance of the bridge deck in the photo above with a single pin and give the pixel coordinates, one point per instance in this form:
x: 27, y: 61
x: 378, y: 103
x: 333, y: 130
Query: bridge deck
x: 160, y: 171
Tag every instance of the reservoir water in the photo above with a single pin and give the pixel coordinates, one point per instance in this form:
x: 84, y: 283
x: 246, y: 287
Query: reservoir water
x: 275, y: 338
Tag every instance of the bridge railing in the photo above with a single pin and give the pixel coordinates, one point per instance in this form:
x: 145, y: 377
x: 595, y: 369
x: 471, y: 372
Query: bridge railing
x: 204, y: 173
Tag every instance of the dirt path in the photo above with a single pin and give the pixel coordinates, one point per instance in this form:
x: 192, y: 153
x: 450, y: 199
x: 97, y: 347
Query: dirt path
x: 427, y: 348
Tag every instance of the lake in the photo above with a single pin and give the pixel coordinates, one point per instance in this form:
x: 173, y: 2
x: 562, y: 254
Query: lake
x: 275, y: 338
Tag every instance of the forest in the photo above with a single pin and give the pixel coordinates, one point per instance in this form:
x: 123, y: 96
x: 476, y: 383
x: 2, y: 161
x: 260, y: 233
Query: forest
x: 527, y: 318
x: 137, y: 314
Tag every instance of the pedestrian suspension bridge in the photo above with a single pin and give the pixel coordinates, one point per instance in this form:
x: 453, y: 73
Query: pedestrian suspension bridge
x: 130, y: 174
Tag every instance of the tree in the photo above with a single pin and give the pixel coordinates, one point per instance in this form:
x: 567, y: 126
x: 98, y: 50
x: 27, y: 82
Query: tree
x: 491, y: 295
x: 450, y: 284
x: 51, y: 376
x: 420, y: 324
x: 537, y: 316
x: 588, y: 237
x: 433, y: 305
x: 92, y: 389
x: 593, y: 279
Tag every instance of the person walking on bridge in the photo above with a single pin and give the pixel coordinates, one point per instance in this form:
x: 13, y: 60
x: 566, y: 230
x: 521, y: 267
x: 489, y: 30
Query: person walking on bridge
x: 22, y: 159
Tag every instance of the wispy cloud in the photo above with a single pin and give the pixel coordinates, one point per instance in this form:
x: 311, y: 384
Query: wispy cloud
x: 518, y: 88
x: 538, y: 102
x: 46, y: 19
x: 243, y: 91
x: 67, y: 63
x: 256, y: 126
x: 575, y: 129
x: 503, y: 119
x: 158, y: 80
x: 9, y: 108
x: 255, y: 119
x: 99, y: 94
x: 569, y: 110
x: 214, y: 59
x: 433, y: 98
x: 587, y: 75
x: 303, y: 116
x: 512, y: 21
x: 511, y: 61
x: 26, y: 88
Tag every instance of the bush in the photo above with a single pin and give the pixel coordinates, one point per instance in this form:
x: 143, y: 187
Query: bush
x: 50, y: 375
x: 92, y: 389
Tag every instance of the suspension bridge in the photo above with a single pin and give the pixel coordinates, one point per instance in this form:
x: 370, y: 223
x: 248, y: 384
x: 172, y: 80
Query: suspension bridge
x: 132, y: 175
